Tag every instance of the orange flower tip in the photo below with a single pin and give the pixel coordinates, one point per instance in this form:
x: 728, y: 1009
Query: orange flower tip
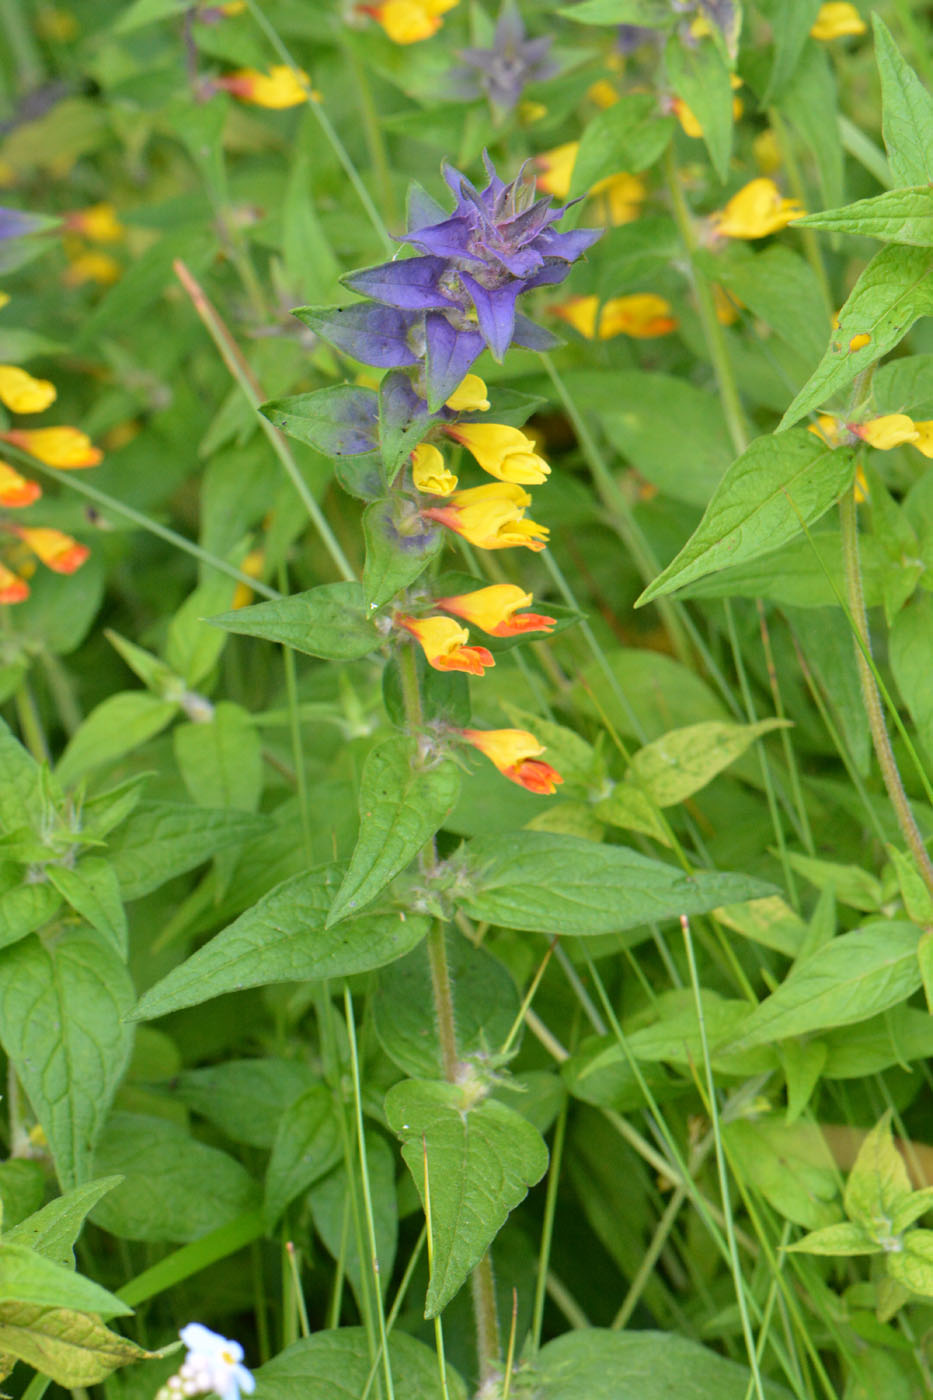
x: 515, y: 753
x: 443, y: 642
x: 12, y: 588
x: 524, y: 622
x: 16, y: 497
x: 535, y: 776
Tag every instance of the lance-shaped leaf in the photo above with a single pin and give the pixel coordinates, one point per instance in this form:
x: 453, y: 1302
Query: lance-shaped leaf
x: 403, y: 419
x: 20, y: 790
x: 892, y: 293
x: 339, y: 421
x: 400, y: 544
x: 449, y: 356
x: 402, y: 805
x: 332, y: 621
x: 878, y: 1184
x: 93, y: 891
x: 61, y: 1024
x: 896, y: 216
x: 374, y: 335
x: 779, y: 485
x: 408, y: 283
x: 307, y: 1145
x: 283, y: 939
x: 629, y: 135
x: 479, y: 1163
x: 164, y: 839
x: 857, y: 975
x: 677, y: 765
x: 53, y: 1230
x: 73, y: 1348
x: 548, y: 883
x: 906, y: 113
x: 27, y: 1277
x: 700, y: 78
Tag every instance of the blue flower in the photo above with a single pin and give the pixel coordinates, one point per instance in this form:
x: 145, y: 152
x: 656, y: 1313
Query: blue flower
x: 212, y: 1364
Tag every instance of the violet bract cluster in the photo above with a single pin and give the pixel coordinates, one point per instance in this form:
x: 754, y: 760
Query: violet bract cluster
x: 426, y: 320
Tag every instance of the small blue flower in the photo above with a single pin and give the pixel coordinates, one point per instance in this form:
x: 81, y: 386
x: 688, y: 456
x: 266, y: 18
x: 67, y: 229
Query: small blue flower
x: 212, y: 1364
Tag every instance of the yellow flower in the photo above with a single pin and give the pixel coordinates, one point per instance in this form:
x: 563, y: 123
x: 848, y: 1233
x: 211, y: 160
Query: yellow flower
x: 57, y: 550
x: 470, y: 396
x: 57, y: 447
x: 91, y: 266
x: 555, y: 169
x: 16, y: 490
x: 252, y: 565
x: 13, y: 589
x: 860, y: 489
x: 98, y: 222
x: 618, y: 198
x: 443, y: 644
x: 641, y: 315
x: 281, y: 87
x: 889, y: 431
x: 429, y: 473
x: 515, y: 754
x: 491, y: 517
x: 494, y: 610
x: 767, y: 152
x: 832, y: 432
x: 836, y: 19
x: 924, y: 439
x: 755, y: 211
x: 410, y: 21
x: 603, y: 93
x: 726, y: 305
x: 503, y: 452
x: 23, y: 394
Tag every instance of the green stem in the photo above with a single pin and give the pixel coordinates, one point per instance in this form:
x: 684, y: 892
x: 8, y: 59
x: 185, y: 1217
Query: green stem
x: 443, y: 1001
x: 30, y: 723
x: 27, y: 59
x: 811, y: 244
x: 547, y: 1232
x: 712, y: 331
x: 232, y: 357
x: 488, y: 1345
x: 870, y: 696
x: 371, y: 128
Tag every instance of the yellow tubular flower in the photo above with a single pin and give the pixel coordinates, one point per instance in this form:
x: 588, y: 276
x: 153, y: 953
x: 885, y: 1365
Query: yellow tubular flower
x: 767, y: 152
x: 924, y: 439
x: 280, y: 87
x: 429, y: 472
x: 13, y: 589
x: 555, y: 169
x: 755, y: 211
x: 836, y: 19
x: 57, y: 447
x: 252, y: 565
x: 15, y: 490
x: 603, y: 93
x: 491, y: 517
x: 410, y: 21
x: 23, y: 394
x: 494, y: 610
x: 444, y: 644
x: 470, y: 396
x: 90, y: 266
x: 887, y: 432
x: 99, y: 223
x: 618, y: 198
x: 829, y: 429
x: 515, y: 754
x: 57, y: 550
x: 503, y: 452
x: 641, y: 315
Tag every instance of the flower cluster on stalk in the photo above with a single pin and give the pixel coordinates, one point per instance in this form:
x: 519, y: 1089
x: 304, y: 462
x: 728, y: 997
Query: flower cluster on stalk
x: 425, y: 320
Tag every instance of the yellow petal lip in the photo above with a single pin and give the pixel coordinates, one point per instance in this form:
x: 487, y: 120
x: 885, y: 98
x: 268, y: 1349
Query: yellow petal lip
x: 410, y: 21
x: 280, y: 87
x: 21, y: 393
x: 755, y: 211
x: 641, y: 315
x: 470, y: 396
x: 494, y: 610
x: 502, y: 451
x: 836, y: 20
x: 429, y: 472
x: 890, y: 430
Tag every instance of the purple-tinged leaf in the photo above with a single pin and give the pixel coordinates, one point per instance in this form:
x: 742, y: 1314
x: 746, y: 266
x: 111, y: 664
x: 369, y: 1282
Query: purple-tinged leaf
x: 373, y: 334
x: 340, y: 421
x: 495, y: 312
x: 411, y: 285
x: 532, y: 337
x: 403, y: 419
x: 450, y: 354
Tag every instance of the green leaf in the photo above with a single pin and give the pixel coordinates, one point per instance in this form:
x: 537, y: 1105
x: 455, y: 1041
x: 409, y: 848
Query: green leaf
x: 61, y: 1024
x: 27, y: 1277
x: 330, y: 1202
x: 909, y: 648
x: 332, y: 621
x: 878, y: 1184
x: 652, y: 14
x: 913, y: 1265
x: 71, y: 1348
x: 842, y: 1239
x: 93, y: 891
x: 485, y: 1006
x: 674, y: 767
x: 644, y: 693
x: 894, y: 290
x: 53, y: 1230
x: 338, y: 421
x: 595, y: 1364
x: 918, y: 1203
x: 906, y: 113
x: 143, y: 12
x: 192, y: 646
x: 25, y: 909
x: 336, y: 1365
x: 220, y: 759
x: 173, y: 1187
x: 896, y: 216
x: 307, y: 1144
x: 402, y: 805
x: 809, y: 102
x: 115, y: 727
x: 20, y: 790
x: 628, y: 807
x: 904, y: 385
x: 630, y: 135
x: 245, y: 1098
x: 164, y: 839
x: 697, y: 73
x: 600, y: 1072
x: 403, y: 420
x: 22, y: 1191
x: 480, y: 1162
x: 399, y: 547
x: 851, y: 884
x: 778, y: 485
x: 855, y: 976
x: 791, y: 22
x: 562, y: 884
x: 778, y: 287
x: 283, y: 939
x: 790, y: 1165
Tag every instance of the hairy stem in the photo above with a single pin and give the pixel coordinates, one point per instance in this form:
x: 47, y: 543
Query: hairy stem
x: 870, y: 696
